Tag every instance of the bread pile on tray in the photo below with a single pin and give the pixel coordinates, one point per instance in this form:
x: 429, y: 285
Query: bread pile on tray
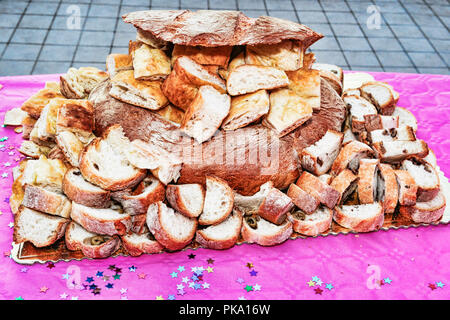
x: 137, y: 157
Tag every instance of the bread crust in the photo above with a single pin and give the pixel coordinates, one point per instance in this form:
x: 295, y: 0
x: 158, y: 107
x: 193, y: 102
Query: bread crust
x: 178, y: 202
x: 407, y: 188
x: 345, y: 183
x: 50, y: 202
x: 390, y: 187
x: 367, y: 174
x: 210, y: 56
x: 203, y: 219
x: 419, y: 213
x: 326, y: 194
x: 425, y: 193
x: 303, y: 200
x: 312, y: 227
x: 279, y: 235
x: 275, y: 206
x: 39, y: 100
x: 357, y: 224
x: 145, y: 247
x: 347, y: 154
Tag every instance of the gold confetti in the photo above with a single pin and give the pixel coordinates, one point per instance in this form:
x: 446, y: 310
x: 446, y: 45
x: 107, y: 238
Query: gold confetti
x: 18, y: 130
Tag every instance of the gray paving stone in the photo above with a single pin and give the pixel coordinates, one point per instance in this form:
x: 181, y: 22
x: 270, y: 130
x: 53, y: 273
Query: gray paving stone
x: 222, y: 5
x: 434, y: 70
x: 71, y: 8
x: 6, y: 34
x: 306, y: 5
x: 340, y: 17
x: 427, y: 59
x: 91, y: 54
x: 393, y: 7
x: 125, y: 27
x: 354, y: 44
x: 416, y: 44
x: 47, y: 67
x: 123, y: 50
x: 436, y: 33
x: 194, y: 4
x: 312, y: 17
x: 279, y: 5
x: 397, y: 18
x: 2, y: 47
x: 326, y: 43
x: 361, y: 58
x: 121, y: 39
x: 165, y: 4
x: 335, y: 5
x: 63, y: 37
x: 366, y: 68
x: 12, y: 6
x: 347, y: 30
x: 96, y: 38
x: 288, y: 15
x: 332, y: 57
x: 127, y: 9
x: 251, y: 4
x: 15, y: 68
x: 100, y: 24
x: 21, y: 51
x: 407, y: 31
x: 103, y: 11
x: 141, y: 3
x: 418, y: 8
x: 57, y: 53
x: 45, y: 8
x: 98, y: 65
x: 394, y: 59
x: 36, y: 22
x: 321, y: 28
x: 400, y: 69
x: 29, y: 36
x: 9, y: 20
x: 359, y: 6
x: 442, y: 46
x: 385, y: 44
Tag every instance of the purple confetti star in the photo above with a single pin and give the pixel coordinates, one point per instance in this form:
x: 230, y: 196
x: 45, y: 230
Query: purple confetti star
x: 253, y: 273
x: 239, y: 280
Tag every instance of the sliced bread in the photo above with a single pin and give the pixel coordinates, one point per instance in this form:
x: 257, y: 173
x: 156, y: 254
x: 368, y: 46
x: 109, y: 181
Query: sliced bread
x: 138, y: 244
x: 47, y: 201
x: 257, y: 230
x: 358, y: 108
x: 361, y: 217
x: 402, y: 133
x: 70, y: 146
x: 311, y: 224
x: 397, y: 151
x: 286, y: 55
x: 380, y: 95
x: 219, y: 199
x: 425, y: 176
x: 346, y: 182
x: 407, y: 188
x: 326, y: 194
x: 187, y: 199
x: 275, y: 206
x: 426, y: 212
x: 367, y: 180
x: 78, y: 83
x: 303, y: 200
x: 405, y: 117
x: 349, y: 157
x: 387, y: 188
x: 377, y: 121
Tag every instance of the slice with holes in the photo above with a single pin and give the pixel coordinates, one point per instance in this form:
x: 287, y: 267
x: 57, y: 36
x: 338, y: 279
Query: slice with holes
x: 361, y: 217
x: 312, y: 224
x: 262, y: 232
x: 218, y: 203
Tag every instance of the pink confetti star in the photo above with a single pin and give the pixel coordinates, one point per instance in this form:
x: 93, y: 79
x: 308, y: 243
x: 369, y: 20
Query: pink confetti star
x: 142, y: 275
x: 43, y: 289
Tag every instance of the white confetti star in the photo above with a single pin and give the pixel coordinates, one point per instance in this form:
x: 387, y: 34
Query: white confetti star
x: 180, y: 286
x: 123, y: 291
x: 205, y: 285
x: 74, y: 298
x: 4, y: 175
x: 241, y: 298
x: 11, y: 225
x: 185, y: 280
x: 257, y: 287
x: 7, y: 164
x: 63, y: 295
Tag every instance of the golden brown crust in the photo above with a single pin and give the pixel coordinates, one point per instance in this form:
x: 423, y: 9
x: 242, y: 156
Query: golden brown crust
x: 326, y: 194
x: 407, y: 188
x: 367, y: 175
x: 343, y: 183
x: 38, y: 101
x: 303, y: 200
x: 213, y: 56
x: 390, y: 187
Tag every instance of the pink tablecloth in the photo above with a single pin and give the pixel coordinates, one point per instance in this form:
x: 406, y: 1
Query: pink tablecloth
x: 397, y: 264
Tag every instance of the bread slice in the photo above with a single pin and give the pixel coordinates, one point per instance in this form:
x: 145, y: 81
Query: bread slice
x: 327, y: 178
x: 104, y: 163
x: 326, y: 194
x: 187, y: 76
x: 311, y: 224
x: 237, y: 61
x: 170, y: 228
x: 56, y: 153
x: 426, y: 212
x: 187, y: 199
x: 405, y: 117
x: 141, y: 93
x: 47, y: 201
x: 380, y: 95
x: 431, y: 158
x: 116, y: 62
x: 250, y: 78
x: 348, y: 136
x: 246, y: 109
x: 358, y: 108
x: 105, y: 221
x: 138, y: 244
x: 209, y: 56
x: 355, y: 80
x: 139, y: 224
x: 425, y: 176
x: 78, y: 83
x: 148, y: 63
x: 333, y: 74
x: 136, y: 201
x: 149, y: 39
x: 286, y: 55
x: 80, y: 191
x: 349, y: 157
x: 46, y: 173
x: 167, y: 173
x: 360, y: 217
x: 262, y: 232
x: 17, y: 191
x: 38, y: 228
x: 287, y: 111
x: 407, y: 188
x: 367, y: 182
x: 275, y: 206
x: 302, y: 200
x: 14, y: 117
x: 387, y: 188
x: 34, y: 105
x: 171, y: 113
x: 76, y: 116
x: 319, y: 157
x: 205, y: 114
x: 403, y: 133
x: 306, y: 84
x: 33, y: 150
x: 250, y: 204
x: 377, y: 122
x: 27, y: 126
x: 397, y: 151
x: 45, y: 127
x: 351, y: 92
x: 70, y: 146
x: 219, y: 199
x: 346, y: 182
x: 92, y: 245
x: 223, y: 235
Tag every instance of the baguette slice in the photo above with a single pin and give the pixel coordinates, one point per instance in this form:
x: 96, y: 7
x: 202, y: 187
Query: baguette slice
x: 77, y: 117
x: 407, y: 188
x: 286, y: 55
x: 397, y: 151
x: 377, y: 122
x: 187, y: 199
x: 303, y: 200
x: 78, y: 83
x: 311, y: 224
x: 426, y: 178
x: 137, y: 201
x: 138, y: 244
x: 345, y: 183
x: 349, y: 156
x: 367, y: 182
x: 46, y: 201
x: 380, y: 95
x: 249, y: 205
x: 275, y: 206
x: 139, y: 224
x: 116, y: 62
x: 205, y: 114
x: 219, y: 199
x: 359, y: 108
x: 360, y: 218
x: 250, y: 78
x: 80, y: 191
x: 426, y: 212
x: 104, y: 163
x: 92, y: 245
x: 38, y: 228
x: 223, y: 235
x: 405, y: 118
x: 403, y: 133
x: 149, y: 63
x: 170, y: 228
x: 104, y: 221
x: 387, y: 189
x: 319, y: 157
x: 70, y: 146
x: 167, y: 173
x: 262, y: 232
x: 326, y: 194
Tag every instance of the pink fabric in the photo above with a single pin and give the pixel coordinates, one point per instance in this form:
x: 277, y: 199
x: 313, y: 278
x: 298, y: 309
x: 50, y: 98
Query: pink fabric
x: 397, y: 264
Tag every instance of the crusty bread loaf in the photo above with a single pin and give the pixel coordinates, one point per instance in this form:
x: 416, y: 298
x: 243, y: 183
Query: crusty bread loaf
x: 34, y: 105
x: 181, y: 86
x: 397, y: 151
x: 170, y: 228
x: 104, y: 221
x: 326, y: 194
x: 148, y: 63
x: 207, y: 56
x: 319, y: 157
x: 38, y: 228
x: 306, y: 85
x: 142, y: 93
x: 380, y: 95
x: 250, y: 78
x: 349, y: 156
x: 407, y: 188
x: 303, y: 200
x: 425, y: 176
x: 426, y: 212
x: 358, y: 108
x: 311, y: 224
x: 286, y: 55
x: 136, y: 201
x: 257, y: 230
x: 219, y: 199
x: 360, y: 218
x: 116, y: 62
x: 405, y: 117
x: 246, y: 109
x: 46, y: 201
x: 205, y: 114
x: 345, y: 183
x: 367, y: 180
x: 138, y: 244
x: 80, y: 191
x: 275, y: 206
x: 223, y: 235
x: 402, y: 133
x: 387, y: 189
x: 187, y: 199
x: 78, y: 83
x: 92, y: 245
x: 76, y: 116
x: 377, y: 121
x: 104, y: 163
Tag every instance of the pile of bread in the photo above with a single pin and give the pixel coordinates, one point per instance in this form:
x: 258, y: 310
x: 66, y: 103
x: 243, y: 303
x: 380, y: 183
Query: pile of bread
x: 103, y: 179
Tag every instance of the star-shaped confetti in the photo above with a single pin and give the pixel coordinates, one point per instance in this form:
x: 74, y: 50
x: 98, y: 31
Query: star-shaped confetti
x: 319, y: 283
x: 205, y: 285
x: 159, y: 298
x: 116, y: 276
x: 43, y: 289
x: 249, y: 265
x: 387, y: 280
x: 210, y: 269
x: 329, y: 286
x: 132, y: 269
x: 257, y: 287
x: 65, y: 276
x: 99, y: 274
x: 96, y: 291
x: 174, y: 275
x: 89, y: 279
x: 123, y: 291
x: 191, y: 256
x: 248, y: 288
x: 440, y: 284
x: 318, y: 291
x: 311, y: 283
x: 181, y: 269
x: 242, y: 298
x: 4, y: 175
x: 171, y: 297
x: 432, y: 286
x: 185, y: 280
x: 253, y: 273
x: 315, y: 278
x: 197, y: 286
x: 142, y: 275
x: 63, y: 296
x: 24, y: 270
x: 210, y: 261
x: 112, y: 267
x: 109, y: 286
x: 239, y: 280
x: 19, y: 298
x: 181, y: 292
x: 11, y: 225
x: 7, y: 164
x: 180, y: 286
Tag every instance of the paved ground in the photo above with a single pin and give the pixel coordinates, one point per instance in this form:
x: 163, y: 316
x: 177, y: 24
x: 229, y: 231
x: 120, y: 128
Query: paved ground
x: 391, y: 35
